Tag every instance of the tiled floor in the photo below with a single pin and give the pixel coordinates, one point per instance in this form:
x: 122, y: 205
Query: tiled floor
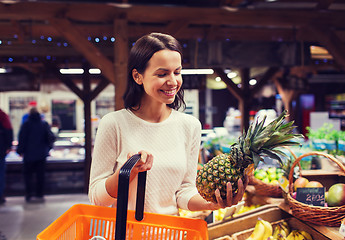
x: 23, y: 221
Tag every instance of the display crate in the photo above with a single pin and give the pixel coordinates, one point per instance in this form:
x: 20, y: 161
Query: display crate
x: 241, y: 227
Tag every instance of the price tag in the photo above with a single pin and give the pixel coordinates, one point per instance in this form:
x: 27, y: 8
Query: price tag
x: 311, y: 196
x: 284, y: 183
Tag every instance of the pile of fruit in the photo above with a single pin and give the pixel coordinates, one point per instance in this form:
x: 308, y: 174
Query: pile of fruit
x: 264, y: 230
x: 218, y: 214
x: 269, y: 175
x: 246, y: 208
x: 334, y: 196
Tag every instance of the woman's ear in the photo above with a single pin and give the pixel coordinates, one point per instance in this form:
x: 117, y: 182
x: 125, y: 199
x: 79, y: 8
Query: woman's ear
x: 137, y: 77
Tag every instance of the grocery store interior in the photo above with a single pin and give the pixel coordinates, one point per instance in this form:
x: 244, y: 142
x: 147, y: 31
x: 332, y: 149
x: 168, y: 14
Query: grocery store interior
x: 242, y: 60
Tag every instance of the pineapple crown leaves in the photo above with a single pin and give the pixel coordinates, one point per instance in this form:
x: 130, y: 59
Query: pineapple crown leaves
x: 263, y: 140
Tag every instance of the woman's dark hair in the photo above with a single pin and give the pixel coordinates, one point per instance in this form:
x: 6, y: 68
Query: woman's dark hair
x: 139, y: 56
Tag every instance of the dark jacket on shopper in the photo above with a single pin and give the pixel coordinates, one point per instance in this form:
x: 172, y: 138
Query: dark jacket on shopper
x: 33, y: 139
x: 6, y: 133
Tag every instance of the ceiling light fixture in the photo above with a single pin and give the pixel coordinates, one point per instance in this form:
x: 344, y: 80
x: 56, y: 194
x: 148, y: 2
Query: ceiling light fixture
x: 95, y: 71
x: 71, y: 71
x: 231, y: 75
x: 252, y: 82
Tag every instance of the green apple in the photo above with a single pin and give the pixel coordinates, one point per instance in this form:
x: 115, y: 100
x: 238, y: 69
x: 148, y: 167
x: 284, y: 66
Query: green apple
x: 260, y: 174
x: 272, y: 176
x: 272, y: 170
x: 266, y: 180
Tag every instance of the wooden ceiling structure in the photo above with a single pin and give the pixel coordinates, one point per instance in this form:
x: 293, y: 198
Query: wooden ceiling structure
x: 42, y: 36
x: 23, y: 24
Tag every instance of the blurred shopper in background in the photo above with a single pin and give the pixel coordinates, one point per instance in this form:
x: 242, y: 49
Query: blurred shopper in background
x: 34, y: 143
x: 6, y: 138
x: 31, y: 104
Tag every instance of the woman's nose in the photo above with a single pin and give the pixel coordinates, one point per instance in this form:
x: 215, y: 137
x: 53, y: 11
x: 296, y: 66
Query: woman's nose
x: 172, y: 79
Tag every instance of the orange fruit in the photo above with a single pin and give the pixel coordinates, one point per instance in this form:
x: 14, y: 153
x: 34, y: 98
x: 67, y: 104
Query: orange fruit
x: 312, y: 184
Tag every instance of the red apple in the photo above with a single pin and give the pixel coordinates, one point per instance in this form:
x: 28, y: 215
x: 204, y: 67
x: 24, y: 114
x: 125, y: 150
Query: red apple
x: 313, y: 184
x: 336, y: 195
x: 300, y: 183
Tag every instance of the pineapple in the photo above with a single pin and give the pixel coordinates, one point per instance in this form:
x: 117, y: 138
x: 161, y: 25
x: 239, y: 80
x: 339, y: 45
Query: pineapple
x: 245, y: 156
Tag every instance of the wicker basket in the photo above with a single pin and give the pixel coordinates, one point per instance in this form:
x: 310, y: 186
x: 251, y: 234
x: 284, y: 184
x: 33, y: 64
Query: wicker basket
x: 266, y: 189
x: 326, y: 216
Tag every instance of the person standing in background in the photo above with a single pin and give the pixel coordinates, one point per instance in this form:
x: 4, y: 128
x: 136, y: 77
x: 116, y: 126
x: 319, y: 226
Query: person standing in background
x: 34, y: 144
x: 31, y: 104
x: 6, y: 138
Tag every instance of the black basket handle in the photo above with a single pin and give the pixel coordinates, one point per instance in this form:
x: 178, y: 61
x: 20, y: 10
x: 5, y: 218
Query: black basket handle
x: 122, y: 197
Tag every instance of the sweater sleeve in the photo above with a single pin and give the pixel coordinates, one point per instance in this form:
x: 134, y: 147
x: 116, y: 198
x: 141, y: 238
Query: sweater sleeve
x: 188, y: 186
x: 103, y: 162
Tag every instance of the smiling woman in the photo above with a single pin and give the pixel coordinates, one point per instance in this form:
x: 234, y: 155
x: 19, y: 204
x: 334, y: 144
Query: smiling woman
x: 168, y: 140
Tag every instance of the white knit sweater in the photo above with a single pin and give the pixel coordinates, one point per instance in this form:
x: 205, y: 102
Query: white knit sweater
x: 175, y: 145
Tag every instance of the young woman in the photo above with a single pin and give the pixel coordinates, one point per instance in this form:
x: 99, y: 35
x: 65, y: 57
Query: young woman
x: 168, y: 140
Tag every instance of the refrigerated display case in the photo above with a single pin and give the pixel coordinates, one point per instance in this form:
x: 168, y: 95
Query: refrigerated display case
x: 64, y: 171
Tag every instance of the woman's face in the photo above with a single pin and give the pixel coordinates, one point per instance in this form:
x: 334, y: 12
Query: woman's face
x: 162, y: 78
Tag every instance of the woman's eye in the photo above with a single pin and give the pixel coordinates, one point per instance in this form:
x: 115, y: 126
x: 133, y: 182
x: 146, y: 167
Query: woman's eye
x: 177, y: 73
x: 161, y: 75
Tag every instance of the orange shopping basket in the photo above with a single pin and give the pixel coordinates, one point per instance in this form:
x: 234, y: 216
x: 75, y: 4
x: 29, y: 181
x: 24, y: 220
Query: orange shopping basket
x: 86, y: 222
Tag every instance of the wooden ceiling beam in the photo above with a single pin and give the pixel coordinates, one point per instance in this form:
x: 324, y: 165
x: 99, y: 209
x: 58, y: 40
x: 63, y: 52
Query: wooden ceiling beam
x: 323, y: 4
x: 176, y: 27
x: 143, y: 13
x: 32, y: 50
x: 232, y: 87
x: 86, y: 48
x: 329, y: 40
x: 240, y: 17
x: 30, y: 32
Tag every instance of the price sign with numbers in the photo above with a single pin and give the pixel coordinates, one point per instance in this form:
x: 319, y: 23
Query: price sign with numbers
x: 311, y: 196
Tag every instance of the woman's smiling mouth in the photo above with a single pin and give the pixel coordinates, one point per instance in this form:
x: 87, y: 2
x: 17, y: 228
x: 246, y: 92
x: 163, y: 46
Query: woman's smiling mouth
x: 169, y: 92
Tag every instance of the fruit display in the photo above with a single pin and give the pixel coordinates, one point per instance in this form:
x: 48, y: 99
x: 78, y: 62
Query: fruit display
x: 245, y: 156
x: 269, y: 175
x: 246, y: 208
x: 264, y: 230
x: 303, y: 207
x: 334, y: 196
x: 219, y: 214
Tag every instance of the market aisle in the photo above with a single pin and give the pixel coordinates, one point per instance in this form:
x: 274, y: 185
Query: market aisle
x: 23, y: 221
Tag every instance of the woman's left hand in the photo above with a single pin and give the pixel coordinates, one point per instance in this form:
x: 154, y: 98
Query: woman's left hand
x: 230, y: 200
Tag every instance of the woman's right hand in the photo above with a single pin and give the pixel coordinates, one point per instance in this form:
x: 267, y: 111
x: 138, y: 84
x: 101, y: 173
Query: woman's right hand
x: 145, y: 162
